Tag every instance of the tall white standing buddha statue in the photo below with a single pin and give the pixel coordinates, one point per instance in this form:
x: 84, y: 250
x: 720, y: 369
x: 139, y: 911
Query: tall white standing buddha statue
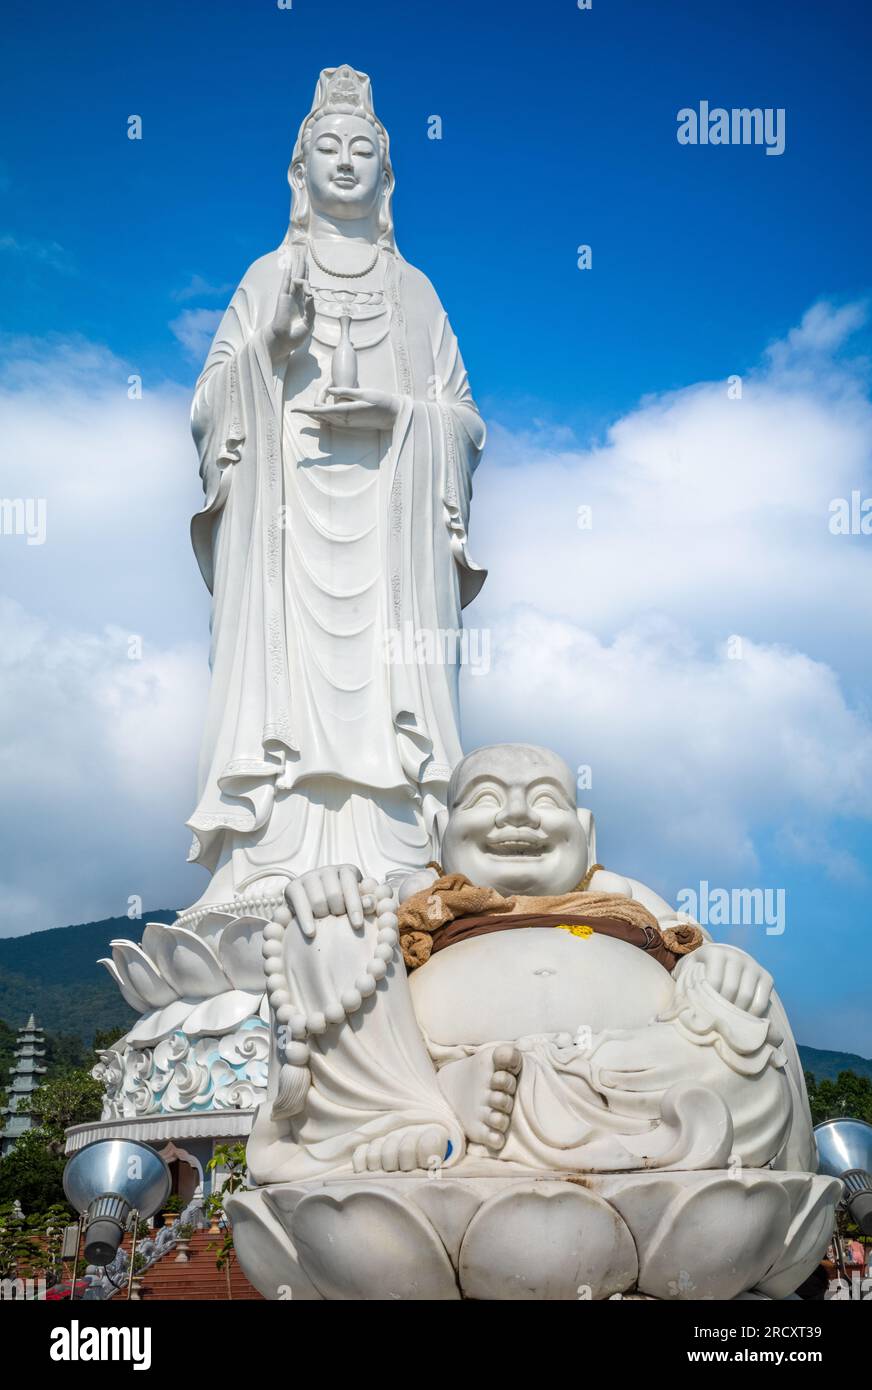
x: 337, y: 440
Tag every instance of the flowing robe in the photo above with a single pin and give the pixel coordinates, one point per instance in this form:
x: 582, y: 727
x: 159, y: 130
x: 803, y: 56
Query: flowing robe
x: 329, y: 553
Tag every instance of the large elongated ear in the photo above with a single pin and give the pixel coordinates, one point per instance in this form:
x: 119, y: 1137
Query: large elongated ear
x: 440, y: 821
x: 588, y: 825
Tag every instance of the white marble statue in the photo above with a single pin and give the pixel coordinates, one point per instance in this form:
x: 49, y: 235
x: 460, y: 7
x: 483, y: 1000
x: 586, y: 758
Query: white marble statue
x: 337, y: 440
x: 484, y: 1065
x: 520, y: 1076
x: 546, y: 1047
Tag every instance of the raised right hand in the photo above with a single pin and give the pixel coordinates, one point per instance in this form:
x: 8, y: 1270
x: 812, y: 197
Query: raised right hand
x: 295, y: 310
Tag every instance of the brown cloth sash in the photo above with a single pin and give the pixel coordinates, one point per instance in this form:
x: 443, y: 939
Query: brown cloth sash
x: 646, y: 938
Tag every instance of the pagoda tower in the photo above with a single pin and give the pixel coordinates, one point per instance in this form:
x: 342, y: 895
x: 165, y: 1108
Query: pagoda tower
x: 24, y: 1078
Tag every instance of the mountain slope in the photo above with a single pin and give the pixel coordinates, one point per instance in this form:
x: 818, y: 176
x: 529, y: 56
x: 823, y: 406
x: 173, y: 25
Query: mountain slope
x: 825, y: 1066
x: 55, y: 975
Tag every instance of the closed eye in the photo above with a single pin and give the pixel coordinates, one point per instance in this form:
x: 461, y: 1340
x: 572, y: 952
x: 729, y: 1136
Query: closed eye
x: 484, y: 799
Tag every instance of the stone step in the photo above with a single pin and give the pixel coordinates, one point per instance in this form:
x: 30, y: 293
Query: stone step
x: 197, y: 1280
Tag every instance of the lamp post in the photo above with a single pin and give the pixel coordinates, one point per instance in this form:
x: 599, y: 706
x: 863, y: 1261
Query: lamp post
x: 110, y: 1182
x: 845, y: 1151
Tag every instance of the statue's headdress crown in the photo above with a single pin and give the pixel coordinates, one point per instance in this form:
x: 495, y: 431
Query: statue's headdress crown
x: 344, y: 87
x: 343, y: 90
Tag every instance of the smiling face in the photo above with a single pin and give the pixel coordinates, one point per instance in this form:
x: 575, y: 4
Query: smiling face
x: 343, y: 171
x: 512, y: 822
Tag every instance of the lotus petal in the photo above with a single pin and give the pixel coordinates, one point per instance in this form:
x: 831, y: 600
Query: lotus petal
x: 241, y: 952
x: 813, y: 1200
x: 159, y: 1023
x: 222, y: 1013
x: 128, y: 993
x: 547, y: 1240
x: 703, y: 1236
x: 212, y: 925
x: 142, y: 975
x: 188, y: 962
x: 264, y: 1250
x: 371, y: 1244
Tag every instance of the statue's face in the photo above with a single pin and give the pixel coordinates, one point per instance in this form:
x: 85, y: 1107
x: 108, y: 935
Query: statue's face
x: 513, y: 825
x: 343, y: 171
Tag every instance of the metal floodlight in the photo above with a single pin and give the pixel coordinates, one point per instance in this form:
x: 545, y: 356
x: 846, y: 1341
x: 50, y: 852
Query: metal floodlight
x: 845, y: 1151
x: 106, y: 1181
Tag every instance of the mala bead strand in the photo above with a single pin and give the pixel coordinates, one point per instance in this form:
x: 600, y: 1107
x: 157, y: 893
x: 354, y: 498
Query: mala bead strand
x: 378, y: 900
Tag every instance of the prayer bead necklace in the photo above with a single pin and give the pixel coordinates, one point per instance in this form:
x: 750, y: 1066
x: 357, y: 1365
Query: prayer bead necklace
x: 344, y: 274
x: 295, y: 1028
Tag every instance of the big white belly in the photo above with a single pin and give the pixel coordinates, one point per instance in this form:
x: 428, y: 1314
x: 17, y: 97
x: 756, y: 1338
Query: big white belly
x: 509, y: 984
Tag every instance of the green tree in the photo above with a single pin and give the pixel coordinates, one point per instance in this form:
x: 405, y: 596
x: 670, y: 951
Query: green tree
x: 31, y: 1245
x: 65, y: 1052
x: 72, y: 1098
x: 230, y: 1157
x: 7, y: 1057
x: 32, y: 1173
x: 849, y: 1097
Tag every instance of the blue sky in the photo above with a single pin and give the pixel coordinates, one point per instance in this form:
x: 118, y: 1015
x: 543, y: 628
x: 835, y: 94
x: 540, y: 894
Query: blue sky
x: 558, y: 128
x: 602, y: 387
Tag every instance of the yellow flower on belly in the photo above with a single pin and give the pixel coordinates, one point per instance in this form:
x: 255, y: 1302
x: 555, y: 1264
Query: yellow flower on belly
x: 583, y: 931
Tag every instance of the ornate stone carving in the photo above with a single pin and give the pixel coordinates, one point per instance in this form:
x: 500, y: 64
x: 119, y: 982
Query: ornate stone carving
x: 184, y: 1075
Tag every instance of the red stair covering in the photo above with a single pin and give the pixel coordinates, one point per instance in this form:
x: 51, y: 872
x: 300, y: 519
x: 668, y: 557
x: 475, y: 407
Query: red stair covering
x: 196, y: 1281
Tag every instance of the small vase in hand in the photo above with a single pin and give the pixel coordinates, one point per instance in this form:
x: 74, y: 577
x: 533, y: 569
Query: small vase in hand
x: 344, y: 365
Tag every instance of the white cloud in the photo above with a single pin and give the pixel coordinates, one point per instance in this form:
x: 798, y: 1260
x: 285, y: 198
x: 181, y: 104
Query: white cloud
x: 98, y: 752
x: 695, y: 754
x: 712, y: 510
x: 195, y: 329
x: 50, y: 253
x: 823, y: 330
x: 198, y: 288
x: 97, y: 762
x: 119, y: 479
x: 710, y: 521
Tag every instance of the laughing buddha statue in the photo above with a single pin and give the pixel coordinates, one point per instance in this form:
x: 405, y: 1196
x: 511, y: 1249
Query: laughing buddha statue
x: 522, y: 1076
x: 523, y: 1004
